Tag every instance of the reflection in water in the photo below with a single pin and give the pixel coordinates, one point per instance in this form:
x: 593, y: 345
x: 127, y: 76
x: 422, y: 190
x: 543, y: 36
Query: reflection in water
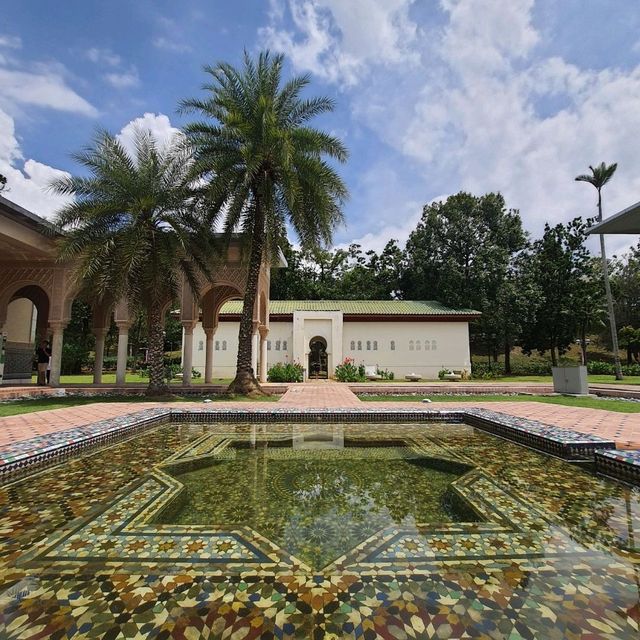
x: 320, y: 501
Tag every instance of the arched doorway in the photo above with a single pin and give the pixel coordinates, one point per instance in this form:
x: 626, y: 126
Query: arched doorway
x: 318, y: 360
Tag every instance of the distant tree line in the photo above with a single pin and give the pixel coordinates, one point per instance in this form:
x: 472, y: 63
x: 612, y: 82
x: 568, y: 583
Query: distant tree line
x: 541, y: 294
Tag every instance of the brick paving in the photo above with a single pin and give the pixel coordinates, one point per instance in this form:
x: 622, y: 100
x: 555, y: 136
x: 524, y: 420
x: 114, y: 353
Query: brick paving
x: 623, y: 428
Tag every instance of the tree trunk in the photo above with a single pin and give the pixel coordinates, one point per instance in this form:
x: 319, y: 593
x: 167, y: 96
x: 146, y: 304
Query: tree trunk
x: 629, y: 360
x: 157, y: 383
x: 554, y: 357
x: 607, y: 288
x: 245, y: 382
x: 507, y: 358
x: 583, y: 347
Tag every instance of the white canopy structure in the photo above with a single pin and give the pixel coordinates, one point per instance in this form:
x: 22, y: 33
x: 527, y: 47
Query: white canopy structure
x: 626, y: 221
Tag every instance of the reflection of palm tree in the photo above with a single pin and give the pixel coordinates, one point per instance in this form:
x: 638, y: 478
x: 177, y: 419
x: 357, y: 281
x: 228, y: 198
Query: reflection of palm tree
x: 600, y: 175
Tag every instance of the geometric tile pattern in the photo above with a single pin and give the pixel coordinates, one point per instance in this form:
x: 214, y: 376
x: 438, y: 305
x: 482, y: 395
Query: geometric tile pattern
x: 575, y: 575
x: 622, y: 464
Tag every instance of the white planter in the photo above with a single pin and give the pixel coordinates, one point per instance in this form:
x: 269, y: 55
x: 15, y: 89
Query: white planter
x: 571, y: 380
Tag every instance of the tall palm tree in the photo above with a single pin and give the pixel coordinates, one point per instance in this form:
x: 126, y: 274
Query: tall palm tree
x: 600, y: 175
x: 263, y: 168
x: 133, y: 231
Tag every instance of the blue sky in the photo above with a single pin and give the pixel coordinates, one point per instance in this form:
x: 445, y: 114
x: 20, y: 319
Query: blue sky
x: 432, y: 96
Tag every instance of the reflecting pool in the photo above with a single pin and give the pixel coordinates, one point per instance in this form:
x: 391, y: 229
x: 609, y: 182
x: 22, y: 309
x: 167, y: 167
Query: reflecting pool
x: 312, y: 531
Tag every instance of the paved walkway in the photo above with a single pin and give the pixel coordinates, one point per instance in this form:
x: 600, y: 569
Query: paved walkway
x: 321, y: 395
x: 623, y: 428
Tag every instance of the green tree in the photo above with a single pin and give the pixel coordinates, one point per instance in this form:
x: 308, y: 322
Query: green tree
x: 133, y: 231
x: 630, y: 339
x: 625, y: 282
x: 600, y: 175
x: 554, y: 270
x: 590, y: 306
x: 264, y: 167
x: 460, y: 254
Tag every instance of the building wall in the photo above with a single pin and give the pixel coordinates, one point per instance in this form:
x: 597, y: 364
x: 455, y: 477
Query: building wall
x: 448, y: 345
x: 418, y: 347
x: 225, y: 350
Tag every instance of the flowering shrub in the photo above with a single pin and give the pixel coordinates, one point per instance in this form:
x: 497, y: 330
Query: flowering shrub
x: 289, y: 372
x: 347, y: 371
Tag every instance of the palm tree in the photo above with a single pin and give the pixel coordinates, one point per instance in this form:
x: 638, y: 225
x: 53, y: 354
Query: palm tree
x: 133, y: 231
x: 600, y: 175
x: 263, y: 168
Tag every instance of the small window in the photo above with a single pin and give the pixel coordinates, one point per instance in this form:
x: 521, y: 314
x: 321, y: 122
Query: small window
x: 418, y: 345
x: 426, y: 345
x: 284, y: 345
x: 217, y: 345
x: 434, y: 345
x: 277, y: 345
x: 353, y: 345
x: 375, y: 345
x: 393, y: 345
x: 268, y: 345
x: 410, y: 345
x: 359, y: 345
x: 224, y: 345
x: 200, y: 345
x: 368, y: 345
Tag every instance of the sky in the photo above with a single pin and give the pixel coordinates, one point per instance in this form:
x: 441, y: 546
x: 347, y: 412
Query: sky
x: 432, y: 96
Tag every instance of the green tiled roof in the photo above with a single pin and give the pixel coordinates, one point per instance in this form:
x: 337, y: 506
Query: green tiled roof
x: 357, y: 307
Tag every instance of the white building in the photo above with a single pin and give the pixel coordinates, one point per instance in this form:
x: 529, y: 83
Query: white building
x: 398, y: 335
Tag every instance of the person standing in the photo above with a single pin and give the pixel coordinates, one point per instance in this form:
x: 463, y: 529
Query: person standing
x: 43, y: 354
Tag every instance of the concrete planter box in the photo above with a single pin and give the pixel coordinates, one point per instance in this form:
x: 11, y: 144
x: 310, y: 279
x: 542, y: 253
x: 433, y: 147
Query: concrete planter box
x: 570, y: 380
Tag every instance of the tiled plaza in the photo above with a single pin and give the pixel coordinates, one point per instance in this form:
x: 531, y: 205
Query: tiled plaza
x: 108, y: 544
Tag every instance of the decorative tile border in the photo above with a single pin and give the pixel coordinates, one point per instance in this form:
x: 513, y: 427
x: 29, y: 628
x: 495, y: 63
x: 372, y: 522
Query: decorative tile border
x: 25, y: 456
x: 621, y: 464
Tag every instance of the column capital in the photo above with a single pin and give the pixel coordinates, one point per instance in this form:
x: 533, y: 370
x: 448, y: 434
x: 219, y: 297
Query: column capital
x: 264, y: 331
x: 58, y: 326
x: 100, y: 332
x: 210, y: 331
x: 255, y: 325
x: 189, y: 325
x: 123, y: 325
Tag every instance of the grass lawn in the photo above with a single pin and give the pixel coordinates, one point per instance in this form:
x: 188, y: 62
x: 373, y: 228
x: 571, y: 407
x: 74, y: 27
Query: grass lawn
x: 15, y: 407
x: 608, y: 404
x: 593, y: 379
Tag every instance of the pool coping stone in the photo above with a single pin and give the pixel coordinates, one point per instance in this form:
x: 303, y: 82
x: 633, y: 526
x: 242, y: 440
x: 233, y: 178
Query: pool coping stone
x: 25, y: 456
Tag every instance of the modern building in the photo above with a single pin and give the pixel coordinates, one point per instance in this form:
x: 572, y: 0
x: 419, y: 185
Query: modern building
x: 405, y: 337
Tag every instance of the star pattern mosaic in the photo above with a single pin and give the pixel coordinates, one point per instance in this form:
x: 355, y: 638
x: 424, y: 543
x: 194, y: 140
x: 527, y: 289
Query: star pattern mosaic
x: 555, y: 551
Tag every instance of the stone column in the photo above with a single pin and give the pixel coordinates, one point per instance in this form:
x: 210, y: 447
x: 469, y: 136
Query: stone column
x: 264, y: 332
x: 254, y: 353
x: 99, y: 359
x: 208, y: 362
x: 187, y: 351
x: 56, y: 351
x: 123, y: 351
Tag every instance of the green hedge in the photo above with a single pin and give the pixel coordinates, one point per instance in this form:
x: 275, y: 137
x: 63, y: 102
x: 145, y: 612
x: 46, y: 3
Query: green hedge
x: 289, y: 372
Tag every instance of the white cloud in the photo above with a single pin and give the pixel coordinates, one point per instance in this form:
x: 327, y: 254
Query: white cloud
x: 124, y: 79
x: 26, y: 185
x: 338, y: 40
x: 487, y: 111
x: 173, y: 46
x: 10, y: 42
x: 103, y: 56
x: 45, y: 87
x: 28, y: 180
x: 158, y: 124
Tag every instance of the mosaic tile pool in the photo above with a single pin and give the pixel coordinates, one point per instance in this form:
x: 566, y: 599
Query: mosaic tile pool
x: 508, y: 543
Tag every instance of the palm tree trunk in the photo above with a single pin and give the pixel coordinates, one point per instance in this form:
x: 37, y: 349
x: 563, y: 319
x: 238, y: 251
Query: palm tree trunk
x: 245, y: 381
x: 157, y: 384
x: 607, y: 288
